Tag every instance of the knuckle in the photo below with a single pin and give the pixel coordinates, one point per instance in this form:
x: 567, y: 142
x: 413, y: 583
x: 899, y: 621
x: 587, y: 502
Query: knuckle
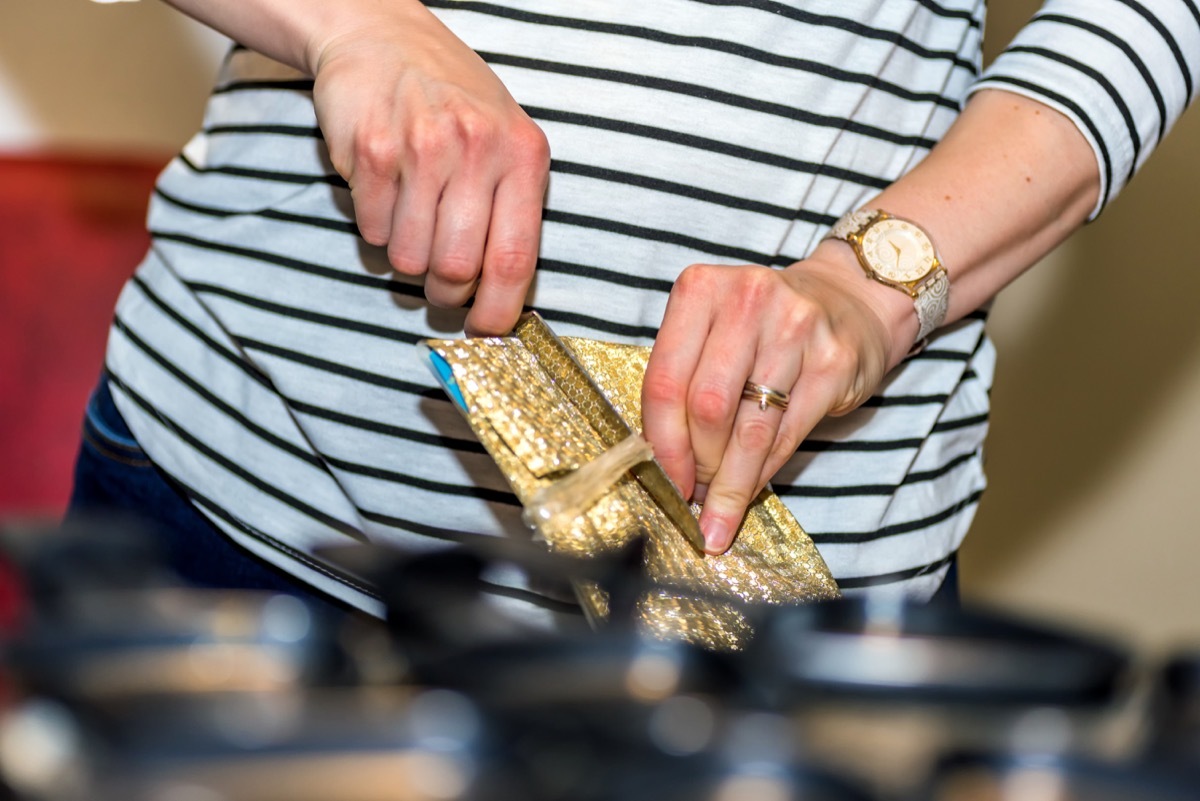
x: 445, y: 296
x: 754, y: 434
x: 455, y: 268
x: 783, y: 449
x: 725, y: 497
x: 696, y: 280
x: 406, y: 263
x: 800, y: 320
x: 705, y: 473
x: 476, y: 130
x: 373, y: 233
x: 490, y: 322
x: 709, y: 406
x: 660, y: 389
x: 530, y: 146
x: 833, y: 356
x: 375, y: 154
x: 427, y: 141
x: 510, y: 266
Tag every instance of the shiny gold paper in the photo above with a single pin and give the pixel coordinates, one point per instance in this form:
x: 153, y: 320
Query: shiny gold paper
x: 544, y: 407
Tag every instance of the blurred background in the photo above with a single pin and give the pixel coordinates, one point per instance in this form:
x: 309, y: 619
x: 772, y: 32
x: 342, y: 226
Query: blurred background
x: 1095, y: 447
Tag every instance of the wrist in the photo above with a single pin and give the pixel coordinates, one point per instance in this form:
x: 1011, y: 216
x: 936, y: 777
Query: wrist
x: 342, y: 22
x: 835, y: 261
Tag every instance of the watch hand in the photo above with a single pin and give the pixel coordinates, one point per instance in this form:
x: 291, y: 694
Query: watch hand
x: 897, y: 249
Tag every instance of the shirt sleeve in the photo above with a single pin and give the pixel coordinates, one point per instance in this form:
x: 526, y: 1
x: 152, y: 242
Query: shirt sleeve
x: 1123, y: 70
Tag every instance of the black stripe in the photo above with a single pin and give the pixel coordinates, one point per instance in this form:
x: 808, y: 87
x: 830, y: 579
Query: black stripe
x: 942, y: 355
x: 561, y: 167
x: 950, y: 13
x: 295, y: 313
x: 468, y: 491
x: 482, y: 493
x: 229, y: 465
x: 657, y: 235
x: 277, y: 84
x: 460, y: 537
x: 598, y: 123
x: 385, y: 429
x: 603, y: 274
x: 850, y: 26
x: 235, y: 359
x: 1130, y: 54
x: 598, y: 324
x: 703, y: 43
x: 493, y: 496
x: 871, y: 490
x: 1097, y: 76
x: 708, y: 145
x: 966, y: 422
x: 245, y: 422
x: 859, y: 446
x: 341, y: 226
x: 354, y: 373
x: 1194, y: 11
x: 466, y: 446
x: 1167, y: 38
x: 332, y: 572
x: 882, y: 401
x: 301, y: 179
x: 302, y: 131
x: 711, y: 95
x: 860, y: 537
x: 1066, y: 102
x: 861, y: 582
x: 593, y: 323
x: 685, y: 190
x: 309, y: 268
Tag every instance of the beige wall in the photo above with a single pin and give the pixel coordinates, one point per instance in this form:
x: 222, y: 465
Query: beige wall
x: 1096, y: 428
x: 1094, y: 456
x: 76, y: 74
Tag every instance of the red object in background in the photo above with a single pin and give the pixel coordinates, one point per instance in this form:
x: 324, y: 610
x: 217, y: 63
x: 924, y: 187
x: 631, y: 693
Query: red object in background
x: 72, y: 229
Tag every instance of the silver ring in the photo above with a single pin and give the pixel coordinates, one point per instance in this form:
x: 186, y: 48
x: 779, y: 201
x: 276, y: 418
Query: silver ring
x: 765, y: 396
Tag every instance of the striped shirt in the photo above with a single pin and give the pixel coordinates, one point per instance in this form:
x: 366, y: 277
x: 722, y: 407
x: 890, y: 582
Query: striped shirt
x: 264, y: 355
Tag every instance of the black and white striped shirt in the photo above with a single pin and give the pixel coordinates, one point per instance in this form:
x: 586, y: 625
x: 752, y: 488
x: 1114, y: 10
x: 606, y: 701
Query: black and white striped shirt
x: 264, y: 356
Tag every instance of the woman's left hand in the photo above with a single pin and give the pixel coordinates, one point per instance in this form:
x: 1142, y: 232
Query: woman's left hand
x: 814, y: 331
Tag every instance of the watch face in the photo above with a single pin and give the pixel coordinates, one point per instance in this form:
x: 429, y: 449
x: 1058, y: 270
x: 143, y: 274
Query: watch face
x: 898, y: 250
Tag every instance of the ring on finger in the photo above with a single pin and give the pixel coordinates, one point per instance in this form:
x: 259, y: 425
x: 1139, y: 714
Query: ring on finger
x: 764, y: 396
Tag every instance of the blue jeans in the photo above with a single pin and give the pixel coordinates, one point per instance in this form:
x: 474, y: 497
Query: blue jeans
x: 115, y: 479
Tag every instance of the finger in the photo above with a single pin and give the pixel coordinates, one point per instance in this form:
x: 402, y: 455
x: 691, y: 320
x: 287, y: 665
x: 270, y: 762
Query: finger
x: 715, y: 393
x: 672, y: 362
x: 413, y: 221
x: 510, y: 255
x: 374, y: 195
x: 456, y: 254
x: 754, y: 437
x: 816, y: 392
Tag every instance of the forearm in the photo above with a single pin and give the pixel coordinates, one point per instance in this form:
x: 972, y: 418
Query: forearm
x: 1010, y: 181
x: 296, y: 32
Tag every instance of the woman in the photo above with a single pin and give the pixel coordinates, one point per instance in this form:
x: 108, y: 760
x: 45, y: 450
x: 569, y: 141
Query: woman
x: 370, y: 174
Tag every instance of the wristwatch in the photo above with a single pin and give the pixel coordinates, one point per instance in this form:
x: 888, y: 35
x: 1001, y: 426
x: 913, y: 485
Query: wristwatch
x: 898, y: 252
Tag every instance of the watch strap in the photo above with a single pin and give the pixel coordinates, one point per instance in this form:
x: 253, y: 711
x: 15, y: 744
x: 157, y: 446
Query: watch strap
x: 932, y: 302
x: 851, y: 224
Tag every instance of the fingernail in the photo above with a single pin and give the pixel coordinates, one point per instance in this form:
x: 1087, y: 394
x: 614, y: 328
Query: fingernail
x: 699, y: 493
x: 717, y: 534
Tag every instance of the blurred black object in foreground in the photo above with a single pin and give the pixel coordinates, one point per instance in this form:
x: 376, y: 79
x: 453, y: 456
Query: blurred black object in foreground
x: 121, y: 682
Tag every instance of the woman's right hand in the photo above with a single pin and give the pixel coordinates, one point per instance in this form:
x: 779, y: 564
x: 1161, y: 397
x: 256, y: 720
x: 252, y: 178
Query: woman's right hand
x: 445, y: 169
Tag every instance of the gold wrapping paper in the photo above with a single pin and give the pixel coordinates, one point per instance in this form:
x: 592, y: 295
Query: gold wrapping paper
x: 544, y: 407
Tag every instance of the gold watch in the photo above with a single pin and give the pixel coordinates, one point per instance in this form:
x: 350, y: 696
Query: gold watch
x: 898, y: 252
